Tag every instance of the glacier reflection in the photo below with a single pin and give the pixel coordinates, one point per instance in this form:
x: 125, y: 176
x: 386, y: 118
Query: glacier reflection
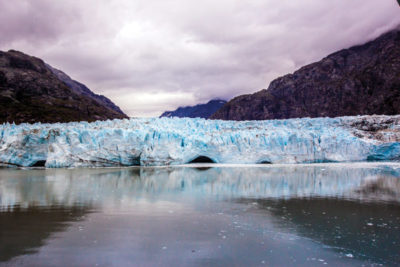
x: 69, y: 187
x: 202, y: 215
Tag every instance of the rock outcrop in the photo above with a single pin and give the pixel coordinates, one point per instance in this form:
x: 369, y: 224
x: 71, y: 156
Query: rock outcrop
x: 31, y: 91
x: 361, y: 80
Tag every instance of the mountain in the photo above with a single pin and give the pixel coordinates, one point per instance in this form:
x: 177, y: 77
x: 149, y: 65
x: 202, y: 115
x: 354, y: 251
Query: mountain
x: 32, y: 91
x: 198, y: 111
x: 82, y: 89
x: 361, y: 80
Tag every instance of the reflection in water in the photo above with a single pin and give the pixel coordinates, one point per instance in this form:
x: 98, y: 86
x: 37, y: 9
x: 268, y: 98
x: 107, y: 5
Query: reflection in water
x: 380, y: 188
x: 105, y: 186
x: 368, y: 231
x: 331, y: 210
x: 24, y: 231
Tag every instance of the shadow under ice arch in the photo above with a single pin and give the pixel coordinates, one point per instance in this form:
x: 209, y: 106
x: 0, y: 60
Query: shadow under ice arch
x: 202, y: 159
x: 39, y: 163
x: 264, y: 162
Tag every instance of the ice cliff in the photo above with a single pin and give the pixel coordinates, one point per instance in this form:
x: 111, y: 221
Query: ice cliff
x: 166, y: 141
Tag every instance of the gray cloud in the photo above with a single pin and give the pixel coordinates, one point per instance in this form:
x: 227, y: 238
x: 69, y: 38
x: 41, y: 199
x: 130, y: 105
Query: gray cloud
x: 150, y: 56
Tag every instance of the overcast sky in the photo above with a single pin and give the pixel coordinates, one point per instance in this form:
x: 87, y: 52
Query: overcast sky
x: 149, y: 56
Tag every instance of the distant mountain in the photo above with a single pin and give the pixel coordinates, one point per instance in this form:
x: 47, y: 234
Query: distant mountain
x: 198, y: 111
x: 32, y: 91
x: 361, y: 80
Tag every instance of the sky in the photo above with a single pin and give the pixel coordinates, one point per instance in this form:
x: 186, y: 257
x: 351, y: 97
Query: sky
x: 149, y: 56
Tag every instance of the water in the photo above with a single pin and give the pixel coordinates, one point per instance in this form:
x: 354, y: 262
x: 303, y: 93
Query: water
x: 304, y: 215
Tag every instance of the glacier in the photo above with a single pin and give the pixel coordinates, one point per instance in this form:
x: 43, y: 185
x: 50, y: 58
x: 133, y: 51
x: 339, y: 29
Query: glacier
x: 175, y: 141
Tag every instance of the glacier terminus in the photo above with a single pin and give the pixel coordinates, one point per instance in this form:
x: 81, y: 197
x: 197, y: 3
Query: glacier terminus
x: 174, y: 141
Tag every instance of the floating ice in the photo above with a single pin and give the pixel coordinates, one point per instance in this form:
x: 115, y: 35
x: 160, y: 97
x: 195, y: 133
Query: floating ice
x: 167, y: 141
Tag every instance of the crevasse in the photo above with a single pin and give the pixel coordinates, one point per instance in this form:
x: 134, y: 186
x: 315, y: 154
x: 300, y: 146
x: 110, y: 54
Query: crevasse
x: 171, y: 141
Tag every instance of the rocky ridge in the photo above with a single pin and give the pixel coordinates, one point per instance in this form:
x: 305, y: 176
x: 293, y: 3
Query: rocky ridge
x: 31, y: 92
x: 361, y: 80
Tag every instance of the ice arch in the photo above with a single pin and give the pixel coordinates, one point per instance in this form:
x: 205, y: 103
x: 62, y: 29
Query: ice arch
x: 202, y: 159
x: 39, y: 163
x: 264, y: 162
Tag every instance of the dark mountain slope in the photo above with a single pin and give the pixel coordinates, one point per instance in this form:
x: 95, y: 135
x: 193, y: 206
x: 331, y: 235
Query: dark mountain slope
x: 198, y: 111
x: 360, y: 80
x: 82, y: 89
x: 30, y: 92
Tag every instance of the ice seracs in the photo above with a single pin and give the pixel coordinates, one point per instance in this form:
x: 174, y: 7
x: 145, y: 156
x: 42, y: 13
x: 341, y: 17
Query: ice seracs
x: 168, y: 141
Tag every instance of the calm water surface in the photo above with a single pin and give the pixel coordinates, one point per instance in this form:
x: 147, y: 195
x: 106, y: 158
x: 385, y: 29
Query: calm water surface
x: 304, y: 215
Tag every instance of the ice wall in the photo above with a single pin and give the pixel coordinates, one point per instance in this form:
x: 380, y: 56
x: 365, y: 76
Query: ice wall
x: 169, y: 141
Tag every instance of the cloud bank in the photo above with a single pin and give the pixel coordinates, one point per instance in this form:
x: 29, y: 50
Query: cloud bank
x: 149, y: 56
